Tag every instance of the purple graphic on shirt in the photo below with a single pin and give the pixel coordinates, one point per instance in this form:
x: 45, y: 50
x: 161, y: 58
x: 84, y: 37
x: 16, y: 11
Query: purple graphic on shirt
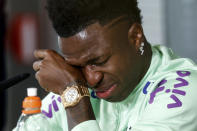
x: 168, y: 90
x: 183, y: 73
x: 53, y: 104
x: 59, y: 99
x: 162, y: 82
x: 159, y: 89
x: 181, y: 83
x: 49, y: 113
x: 180, y: 92
x: 53, y: 97
x: 177, y: 103
x: 153, y: 94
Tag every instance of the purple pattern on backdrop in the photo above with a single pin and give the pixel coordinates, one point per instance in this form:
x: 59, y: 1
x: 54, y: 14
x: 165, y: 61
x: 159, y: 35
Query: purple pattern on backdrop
x: 49, y: 113
x: 182, y: 83
x: 177, y: 103
x: 183, y: 73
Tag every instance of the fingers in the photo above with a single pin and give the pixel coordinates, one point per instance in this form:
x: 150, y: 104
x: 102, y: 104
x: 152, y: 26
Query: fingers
x: 40, y: 54
x: 36, y: 65
x: 43, y: 53
x: 37, y: 76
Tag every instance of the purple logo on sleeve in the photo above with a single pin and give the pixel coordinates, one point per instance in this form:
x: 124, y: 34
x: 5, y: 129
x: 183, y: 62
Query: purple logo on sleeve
x: 181, y: 82
x: 53, y: 104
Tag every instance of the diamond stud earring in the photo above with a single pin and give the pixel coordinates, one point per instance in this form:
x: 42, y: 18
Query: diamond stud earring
x: 142, y: 48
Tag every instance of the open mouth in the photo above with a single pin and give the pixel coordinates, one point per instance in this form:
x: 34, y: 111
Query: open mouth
x: 106, y: 93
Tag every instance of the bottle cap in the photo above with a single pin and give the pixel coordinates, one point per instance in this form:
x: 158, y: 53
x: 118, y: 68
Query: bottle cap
x: 32, y: 91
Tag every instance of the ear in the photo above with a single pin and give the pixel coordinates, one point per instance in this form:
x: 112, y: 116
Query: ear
x: 135, y: 35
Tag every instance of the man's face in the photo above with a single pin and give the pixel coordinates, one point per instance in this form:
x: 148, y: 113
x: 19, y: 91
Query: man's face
x: 109, y: 62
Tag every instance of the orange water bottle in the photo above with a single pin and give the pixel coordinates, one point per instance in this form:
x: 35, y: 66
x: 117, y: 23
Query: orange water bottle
x: 31, y: 118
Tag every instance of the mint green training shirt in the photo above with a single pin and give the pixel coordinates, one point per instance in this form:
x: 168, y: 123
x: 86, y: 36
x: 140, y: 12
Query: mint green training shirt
x: 164, y: 100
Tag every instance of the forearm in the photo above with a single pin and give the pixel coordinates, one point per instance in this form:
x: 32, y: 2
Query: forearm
x: 81, y: 112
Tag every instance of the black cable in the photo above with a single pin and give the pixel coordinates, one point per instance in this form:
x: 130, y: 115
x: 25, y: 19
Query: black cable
x: 12, y: 81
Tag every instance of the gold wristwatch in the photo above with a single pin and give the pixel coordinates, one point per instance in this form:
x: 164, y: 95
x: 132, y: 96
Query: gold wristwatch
x: 73, y: 94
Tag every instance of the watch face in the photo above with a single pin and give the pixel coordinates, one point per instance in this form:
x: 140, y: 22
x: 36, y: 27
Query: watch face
x: 71, y: 95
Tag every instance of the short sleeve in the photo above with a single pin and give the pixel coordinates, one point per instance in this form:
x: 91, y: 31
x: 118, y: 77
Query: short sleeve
x: 171, y: 106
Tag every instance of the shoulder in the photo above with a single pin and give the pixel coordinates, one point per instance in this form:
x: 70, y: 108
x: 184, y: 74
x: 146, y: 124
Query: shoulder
x: 171, y: 100
x: 179, y: 85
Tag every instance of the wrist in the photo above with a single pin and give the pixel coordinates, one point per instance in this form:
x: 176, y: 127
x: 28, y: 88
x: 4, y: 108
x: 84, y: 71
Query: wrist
x: 83, y: 108
x: 81, y: 112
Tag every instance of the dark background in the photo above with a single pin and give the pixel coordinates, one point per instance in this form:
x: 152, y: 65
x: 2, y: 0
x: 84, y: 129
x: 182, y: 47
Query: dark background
x: 2, y: 66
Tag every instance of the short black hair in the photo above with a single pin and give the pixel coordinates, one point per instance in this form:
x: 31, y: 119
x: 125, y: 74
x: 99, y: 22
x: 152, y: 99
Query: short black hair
x: 72, y: 16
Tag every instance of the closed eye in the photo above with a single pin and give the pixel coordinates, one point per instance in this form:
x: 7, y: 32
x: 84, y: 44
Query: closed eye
x: 100, y: 62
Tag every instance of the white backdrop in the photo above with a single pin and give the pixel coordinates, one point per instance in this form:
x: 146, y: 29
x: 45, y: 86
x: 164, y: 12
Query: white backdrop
x: 153, y: 20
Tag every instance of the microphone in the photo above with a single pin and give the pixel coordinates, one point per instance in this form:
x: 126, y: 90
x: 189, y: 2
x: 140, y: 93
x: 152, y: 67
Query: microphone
x: 12, y: 81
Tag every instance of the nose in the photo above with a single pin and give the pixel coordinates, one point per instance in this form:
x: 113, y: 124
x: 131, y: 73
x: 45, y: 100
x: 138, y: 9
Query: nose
x: 92, y: 76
